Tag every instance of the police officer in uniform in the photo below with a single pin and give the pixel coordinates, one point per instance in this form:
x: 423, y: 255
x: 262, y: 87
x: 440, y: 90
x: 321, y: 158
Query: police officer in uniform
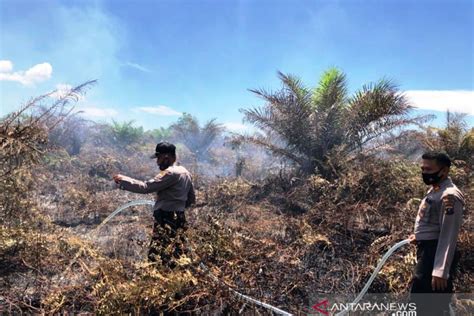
x: 175, y: 192
x: 436, y: 231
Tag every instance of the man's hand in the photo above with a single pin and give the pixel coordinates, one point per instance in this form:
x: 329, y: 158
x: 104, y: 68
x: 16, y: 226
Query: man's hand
x: 438, y: 284
x: 118, y: 178
x: 412, y: 238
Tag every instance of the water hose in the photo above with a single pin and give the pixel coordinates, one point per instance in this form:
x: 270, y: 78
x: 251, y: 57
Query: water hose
x: 248, y: 298
x: 121, y: 208
x: 108, y: 218
x: 201, y: 264
x: 376, y: 271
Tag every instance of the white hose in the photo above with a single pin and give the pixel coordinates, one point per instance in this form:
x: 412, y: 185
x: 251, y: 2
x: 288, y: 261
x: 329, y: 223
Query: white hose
x: 108, y: 218
x: 252, y: 300
x: 121, y: 208
x: 245, y: 297
x: 376, y: 271
x: 202, y: 265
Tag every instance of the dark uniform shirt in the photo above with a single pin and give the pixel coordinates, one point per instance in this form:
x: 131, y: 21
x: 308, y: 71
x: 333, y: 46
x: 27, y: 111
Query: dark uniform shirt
x: 174, y: 188
x: 439, y: 217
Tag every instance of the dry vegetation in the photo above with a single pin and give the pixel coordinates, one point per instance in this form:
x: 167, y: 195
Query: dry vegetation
x: 280, y: 239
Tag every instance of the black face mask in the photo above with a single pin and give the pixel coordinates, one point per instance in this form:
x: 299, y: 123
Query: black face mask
x: 164, y: 164
x: 431, y: 178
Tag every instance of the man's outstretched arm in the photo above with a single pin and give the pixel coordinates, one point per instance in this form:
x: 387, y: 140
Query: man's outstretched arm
x: 160, y: 182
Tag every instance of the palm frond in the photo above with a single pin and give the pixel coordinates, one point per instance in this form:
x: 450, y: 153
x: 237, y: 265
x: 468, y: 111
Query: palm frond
x: 268, y: 144
x: 286, y: 113
x: 294, y: 86
x: 331, y: 90
x: 376, y: 109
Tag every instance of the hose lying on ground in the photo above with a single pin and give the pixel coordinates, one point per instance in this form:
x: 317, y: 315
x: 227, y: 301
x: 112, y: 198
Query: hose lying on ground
x: 245, y: 297
x: 376, y: 271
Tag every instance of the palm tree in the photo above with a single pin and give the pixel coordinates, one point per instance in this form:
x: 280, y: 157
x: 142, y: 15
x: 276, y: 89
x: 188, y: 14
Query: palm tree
x: 196, y: 138
x: 455, y: 138
x: 160, y: 134
x: 320, y: 128
x: 125, y: 132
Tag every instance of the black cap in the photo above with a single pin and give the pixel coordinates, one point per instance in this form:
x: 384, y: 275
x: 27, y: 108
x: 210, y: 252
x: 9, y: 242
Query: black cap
x: 164, y: 148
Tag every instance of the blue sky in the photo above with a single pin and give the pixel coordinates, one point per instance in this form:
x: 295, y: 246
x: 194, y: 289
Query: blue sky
x: 157, y: 59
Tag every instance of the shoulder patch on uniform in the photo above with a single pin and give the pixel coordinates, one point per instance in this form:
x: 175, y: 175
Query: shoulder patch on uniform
x: 455, y: 192
x: 448, y: 202
x: 162, y: 173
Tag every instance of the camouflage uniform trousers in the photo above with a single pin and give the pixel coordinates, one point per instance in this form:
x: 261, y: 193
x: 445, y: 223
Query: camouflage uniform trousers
x: 168, y: 240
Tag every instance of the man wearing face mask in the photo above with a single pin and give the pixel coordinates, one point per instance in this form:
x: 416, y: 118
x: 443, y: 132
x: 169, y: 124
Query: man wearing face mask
x: 175, y: 192
x: 436, y: 231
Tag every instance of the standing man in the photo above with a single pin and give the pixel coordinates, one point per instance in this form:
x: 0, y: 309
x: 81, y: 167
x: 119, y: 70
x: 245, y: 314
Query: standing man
x: 175, y: 192
x: 436, y: 232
